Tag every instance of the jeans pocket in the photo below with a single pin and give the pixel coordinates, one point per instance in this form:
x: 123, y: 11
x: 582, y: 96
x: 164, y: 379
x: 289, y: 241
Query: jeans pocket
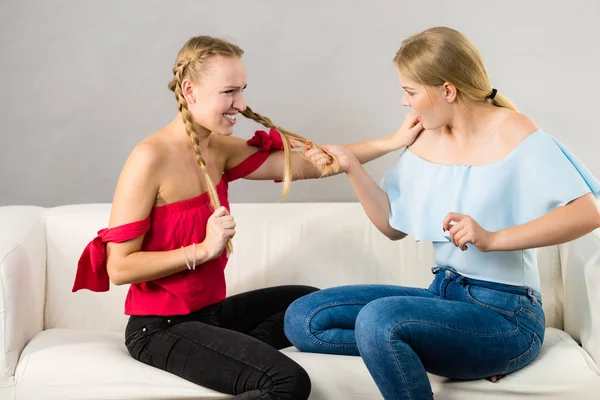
x: 136, y: 341
x: 497, y: 300
x: 524, y: 359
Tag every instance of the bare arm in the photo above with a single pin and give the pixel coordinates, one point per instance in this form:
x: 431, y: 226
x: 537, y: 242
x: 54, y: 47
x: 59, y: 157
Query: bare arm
x: 308, y: 164
x: 373, y: 199
x: 133, y: 200
x: 403, y: 137
x: 373, y: 149
x: 237, y: 150
x: 563, y: 224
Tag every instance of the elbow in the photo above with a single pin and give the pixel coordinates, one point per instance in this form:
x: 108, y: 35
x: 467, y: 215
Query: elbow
x: 395, y: 235
x: 114, y: 274
x: 595, y: 217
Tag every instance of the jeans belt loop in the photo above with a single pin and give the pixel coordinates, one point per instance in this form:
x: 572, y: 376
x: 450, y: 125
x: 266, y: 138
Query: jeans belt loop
x: 531, y: 296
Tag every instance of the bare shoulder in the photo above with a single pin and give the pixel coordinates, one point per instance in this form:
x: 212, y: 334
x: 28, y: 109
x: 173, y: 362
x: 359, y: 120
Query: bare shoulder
x: 147, y: 154
x: 138, y: 182
x: 227, y: 144
x: 515, y: 127
x: 231, y: 149
x: 426, y: 140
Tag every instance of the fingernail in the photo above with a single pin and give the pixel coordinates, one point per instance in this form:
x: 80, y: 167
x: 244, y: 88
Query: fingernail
x: 309, y: 144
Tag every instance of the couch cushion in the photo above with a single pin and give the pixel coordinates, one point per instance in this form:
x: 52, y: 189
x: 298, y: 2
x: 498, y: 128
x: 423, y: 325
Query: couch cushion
x: 322, y: 245
x: 69, y: 364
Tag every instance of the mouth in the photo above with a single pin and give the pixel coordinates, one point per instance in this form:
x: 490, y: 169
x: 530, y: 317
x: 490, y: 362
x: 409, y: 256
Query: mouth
x: 231, y: 118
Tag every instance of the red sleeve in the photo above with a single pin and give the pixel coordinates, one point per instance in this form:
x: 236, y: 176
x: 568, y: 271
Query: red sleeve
x: 266, y: 142
x: 91, y: 268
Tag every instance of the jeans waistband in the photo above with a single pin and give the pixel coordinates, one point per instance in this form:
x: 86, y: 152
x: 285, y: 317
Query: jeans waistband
x: 451, y: 273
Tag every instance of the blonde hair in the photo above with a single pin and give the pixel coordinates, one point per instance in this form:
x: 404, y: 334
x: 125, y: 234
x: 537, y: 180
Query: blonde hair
x: 191, y: 62
x: 442, y: 54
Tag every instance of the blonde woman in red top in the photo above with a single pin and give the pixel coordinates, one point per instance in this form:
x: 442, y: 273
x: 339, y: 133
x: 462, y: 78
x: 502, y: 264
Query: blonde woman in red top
x: 170, y: 230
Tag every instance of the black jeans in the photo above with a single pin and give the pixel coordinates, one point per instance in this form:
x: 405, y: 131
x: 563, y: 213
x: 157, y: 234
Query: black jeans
x: 231, y: 347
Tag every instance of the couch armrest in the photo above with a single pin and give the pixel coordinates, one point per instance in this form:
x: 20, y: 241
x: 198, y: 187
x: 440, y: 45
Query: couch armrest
x: 22, y: 282
x: 580, y: 263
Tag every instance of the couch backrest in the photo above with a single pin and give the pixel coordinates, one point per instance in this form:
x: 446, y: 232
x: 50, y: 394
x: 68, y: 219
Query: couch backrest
x: 319, y: 244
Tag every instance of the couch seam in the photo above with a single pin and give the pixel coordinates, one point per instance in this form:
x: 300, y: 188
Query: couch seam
x: 2, y: 286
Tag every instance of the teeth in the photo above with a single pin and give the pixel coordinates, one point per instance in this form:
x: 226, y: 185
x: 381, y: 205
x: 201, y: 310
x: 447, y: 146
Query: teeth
x: 230, y: 117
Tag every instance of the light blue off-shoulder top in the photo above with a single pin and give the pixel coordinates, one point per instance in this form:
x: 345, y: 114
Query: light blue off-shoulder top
x: 539, y: 175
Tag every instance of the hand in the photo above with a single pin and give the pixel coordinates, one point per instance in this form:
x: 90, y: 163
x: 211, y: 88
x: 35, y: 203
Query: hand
x: 408, y: 132
x: 494, y: 378
x: 467, y: 230
x: 321, y: 159
x: 220, y: 227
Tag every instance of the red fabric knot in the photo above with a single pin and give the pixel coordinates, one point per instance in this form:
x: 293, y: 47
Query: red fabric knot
x: 267, y: 141
x: 91, y: 268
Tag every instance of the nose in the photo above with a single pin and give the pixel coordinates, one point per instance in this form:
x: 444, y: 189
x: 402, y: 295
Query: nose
x: 405, y: 100
x: 239, y: 103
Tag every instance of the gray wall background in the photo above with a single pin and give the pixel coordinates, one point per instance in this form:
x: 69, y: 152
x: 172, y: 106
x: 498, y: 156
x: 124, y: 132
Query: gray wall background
x: 81, y: 82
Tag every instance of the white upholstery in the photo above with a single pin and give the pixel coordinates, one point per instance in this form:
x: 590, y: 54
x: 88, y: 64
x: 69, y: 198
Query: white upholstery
x: 55, y: 344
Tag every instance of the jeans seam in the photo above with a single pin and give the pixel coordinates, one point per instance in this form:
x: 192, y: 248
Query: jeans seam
x: 398, y: 361
x: 148, y: 355
x: 497, y: 309
x: 181, y: 337
x: 314, y: 312
x: 534, y: 315
x: 524, y: 354
x: 456, y: 330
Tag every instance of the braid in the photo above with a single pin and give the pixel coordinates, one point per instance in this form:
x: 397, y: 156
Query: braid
x: 190, y: 64
x: 285, y: 138
x: 178, y: 73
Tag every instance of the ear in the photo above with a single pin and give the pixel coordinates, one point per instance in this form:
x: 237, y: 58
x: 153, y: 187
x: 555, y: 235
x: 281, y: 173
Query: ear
x: 449, y: 91
x: 188, y: 91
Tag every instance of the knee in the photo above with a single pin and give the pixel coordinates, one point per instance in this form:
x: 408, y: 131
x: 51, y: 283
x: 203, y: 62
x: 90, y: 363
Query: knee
x: 295, y: 321
x: 377, y: 324
x: 368, y: 330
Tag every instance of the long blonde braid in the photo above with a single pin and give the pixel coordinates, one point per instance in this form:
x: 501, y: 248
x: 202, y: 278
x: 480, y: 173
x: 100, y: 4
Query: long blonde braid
x: 285, y: 138
x: 190, y: 60
x: 190, y: 63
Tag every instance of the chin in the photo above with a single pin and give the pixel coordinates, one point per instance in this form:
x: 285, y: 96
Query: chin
x: 431, y: 127
x: 224, y: 131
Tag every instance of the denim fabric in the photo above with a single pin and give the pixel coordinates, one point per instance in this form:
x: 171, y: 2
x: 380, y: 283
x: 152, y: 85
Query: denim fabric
x: 458, y: 328
x: 231, y: 346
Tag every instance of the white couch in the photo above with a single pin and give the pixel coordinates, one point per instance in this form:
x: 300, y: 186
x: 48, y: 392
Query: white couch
x: 55, y: 344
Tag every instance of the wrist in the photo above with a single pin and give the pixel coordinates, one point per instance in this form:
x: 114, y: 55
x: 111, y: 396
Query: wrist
x: 496, y: 241
x: 202, y: 253
x: 353, y: 166
x: 393, y: 142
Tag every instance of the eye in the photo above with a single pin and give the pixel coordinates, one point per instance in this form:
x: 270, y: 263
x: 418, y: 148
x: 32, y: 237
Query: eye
x: 231, y: 91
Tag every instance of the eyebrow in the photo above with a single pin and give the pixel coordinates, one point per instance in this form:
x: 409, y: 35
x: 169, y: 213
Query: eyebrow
x: 237, y: 87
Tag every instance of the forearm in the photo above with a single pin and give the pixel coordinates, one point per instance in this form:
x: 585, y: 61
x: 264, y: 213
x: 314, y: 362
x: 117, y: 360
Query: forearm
x: 374, y: 201
x: 558, y: 226
x: 363, y: 151
x: 143, y: 266
x: 302, y: 168
x: 371, y: 149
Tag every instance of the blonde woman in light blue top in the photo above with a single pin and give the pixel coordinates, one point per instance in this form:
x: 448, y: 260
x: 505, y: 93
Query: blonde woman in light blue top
x: 487, y: 186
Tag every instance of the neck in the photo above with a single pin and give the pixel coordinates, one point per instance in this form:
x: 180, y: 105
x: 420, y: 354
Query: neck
x: 469, y: 122
x: 178, y: 130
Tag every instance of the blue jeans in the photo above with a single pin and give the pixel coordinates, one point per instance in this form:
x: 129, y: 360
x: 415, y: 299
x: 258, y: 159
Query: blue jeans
x: 458, y: 328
